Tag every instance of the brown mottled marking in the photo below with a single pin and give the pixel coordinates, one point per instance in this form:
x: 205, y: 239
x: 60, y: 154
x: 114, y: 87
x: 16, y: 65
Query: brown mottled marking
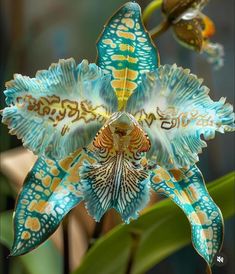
x: 124, y: 47
x: 33, y: 224
x: 126, y: 35
x: 55, y: 183
x: 121, y: 27
x: 128, y: 22
x: 25, y: 235
x: 163, y: 174
x: 156, y: 179
x: 170, y: 184
x: 178, y: 175
x: 46, y: 181
x: 142, y: 40
x: 38, y: 188
x: 37, y: 206
x: 199, y: 217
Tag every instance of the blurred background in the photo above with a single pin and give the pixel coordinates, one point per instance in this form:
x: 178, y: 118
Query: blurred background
x: 35, y: 34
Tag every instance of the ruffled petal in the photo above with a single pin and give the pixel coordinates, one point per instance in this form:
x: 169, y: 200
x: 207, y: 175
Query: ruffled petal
x: 126, y: 51
x: 50, y: 191
x: 175, y: 110
x: 61, y: 109
x: 187, y: 189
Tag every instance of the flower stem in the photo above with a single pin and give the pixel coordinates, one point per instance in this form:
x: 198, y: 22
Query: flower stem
x: 96, y: 233
x: 160, y: 29
x: 135, y: 235
x: 65, y: 225
x: 156, y: 4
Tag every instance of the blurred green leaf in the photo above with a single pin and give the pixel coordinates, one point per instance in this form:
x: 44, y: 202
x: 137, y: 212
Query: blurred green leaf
x: 46, y: 259
x: 5, y: 188
x: 161, y: 231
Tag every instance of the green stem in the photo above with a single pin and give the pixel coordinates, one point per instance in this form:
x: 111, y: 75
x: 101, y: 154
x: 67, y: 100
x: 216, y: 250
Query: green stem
x: 160, y: 29
x: 96, y: 233
x: 156, y: 4
x: 66, y: 265
x: 135, y: 235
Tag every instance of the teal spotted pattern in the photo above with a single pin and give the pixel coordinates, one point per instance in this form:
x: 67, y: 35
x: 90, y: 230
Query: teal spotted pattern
x: 187, y: 189
x: 50, y: 191
x: 126, y: 51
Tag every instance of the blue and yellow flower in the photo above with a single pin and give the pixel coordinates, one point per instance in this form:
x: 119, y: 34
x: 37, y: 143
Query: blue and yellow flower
x: 108, y: 133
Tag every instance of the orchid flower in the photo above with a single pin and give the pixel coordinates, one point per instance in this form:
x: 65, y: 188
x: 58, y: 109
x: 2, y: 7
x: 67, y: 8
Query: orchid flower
x: 108, y: 133
x: 191, y: 27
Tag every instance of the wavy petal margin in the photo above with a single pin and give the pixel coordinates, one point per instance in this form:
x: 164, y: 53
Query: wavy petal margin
x: 61, y: 109
x: 175, y: 110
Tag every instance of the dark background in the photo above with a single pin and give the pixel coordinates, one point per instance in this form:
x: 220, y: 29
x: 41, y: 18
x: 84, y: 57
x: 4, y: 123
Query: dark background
x: 35, y: 34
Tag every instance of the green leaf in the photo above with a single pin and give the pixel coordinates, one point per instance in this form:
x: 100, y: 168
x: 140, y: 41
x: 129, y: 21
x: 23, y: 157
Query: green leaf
x: 160, y: 231
x: 46, y: 259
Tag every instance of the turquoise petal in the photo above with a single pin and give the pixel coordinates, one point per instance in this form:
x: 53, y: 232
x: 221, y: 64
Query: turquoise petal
x: 126, y: 51
x: 175, y: 110
x: 61, y: 109
x: 187, y: 189
x: 50, y: 191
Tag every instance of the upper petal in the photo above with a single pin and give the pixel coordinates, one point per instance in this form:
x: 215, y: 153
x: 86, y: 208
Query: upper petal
x: 126, y: 50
